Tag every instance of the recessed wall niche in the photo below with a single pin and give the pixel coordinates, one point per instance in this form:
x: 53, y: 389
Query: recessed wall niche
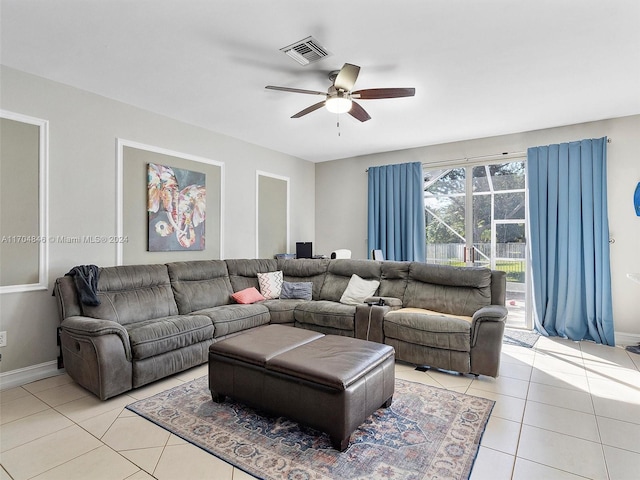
x: 132, y: 217
x: 272, y: 214
x: 23, y: 202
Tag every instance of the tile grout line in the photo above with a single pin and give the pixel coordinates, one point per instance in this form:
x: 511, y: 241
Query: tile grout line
x: 466, y: 389
x: 69, y: 460
x: 597, y: 417
x: 558, y: 469
x: 604, y: 457
x: 166, y: 443
x: 524, y: 411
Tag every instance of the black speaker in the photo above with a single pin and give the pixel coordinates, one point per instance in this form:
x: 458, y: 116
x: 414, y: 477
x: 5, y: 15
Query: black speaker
x: 304, y: 249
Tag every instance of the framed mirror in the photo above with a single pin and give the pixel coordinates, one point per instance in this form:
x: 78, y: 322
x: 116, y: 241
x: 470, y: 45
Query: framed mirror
x: 24, y: 149
x: 272, y: 214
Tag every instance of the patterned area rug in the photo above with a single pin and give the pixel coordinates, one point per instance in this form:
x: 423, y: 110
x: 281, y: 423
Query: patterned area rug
x: 427, y: 433
x: 522, y: 338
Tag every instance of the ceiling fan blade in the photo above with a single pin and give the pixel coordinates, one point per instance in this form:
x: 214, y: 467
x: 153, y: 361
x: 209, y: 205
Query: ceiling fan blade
x: 358, y: 112
x: 373, y: 93
x: 295, y: 90
x: 346, y: 78
x: 310, y: 109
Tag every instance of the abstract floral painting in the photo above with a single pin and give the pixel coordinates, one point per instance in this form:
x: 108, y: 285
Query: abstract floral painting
x: 176, y: 206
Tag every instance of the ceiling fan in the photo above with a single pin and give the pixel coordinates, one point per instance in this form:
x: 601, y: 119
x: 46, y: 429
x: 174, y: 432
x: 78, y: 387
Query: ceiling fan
x: 340, y: 99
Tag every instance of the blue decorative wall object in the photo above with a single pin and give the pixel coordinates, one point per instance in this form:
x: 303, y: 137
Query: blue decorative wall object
x: 636, y: 199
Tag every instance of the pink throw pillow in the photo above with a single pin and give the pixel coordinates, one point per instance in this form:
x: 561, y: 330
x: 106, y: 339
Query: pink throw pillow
x: 248, y: 295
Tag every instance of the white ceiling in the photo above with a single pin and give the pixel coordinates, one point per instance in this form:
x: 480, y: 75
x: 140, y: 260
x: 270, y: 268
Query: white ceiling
x: 480, y: 68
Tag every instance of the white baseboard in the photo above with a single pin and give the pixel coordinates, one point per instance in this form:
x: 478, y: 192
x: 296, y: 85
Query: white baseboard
x: 624, y: 339
x: 22, y: 376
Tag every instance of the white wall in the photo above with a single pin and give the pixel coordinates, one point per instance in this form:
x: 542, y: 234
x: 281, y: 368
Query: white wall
x: 341, y: 198
x: 82, y: 192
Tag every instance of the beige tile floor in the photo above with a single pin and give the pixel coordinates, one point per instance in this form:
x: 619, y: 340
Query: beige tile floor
x: 564, y: 410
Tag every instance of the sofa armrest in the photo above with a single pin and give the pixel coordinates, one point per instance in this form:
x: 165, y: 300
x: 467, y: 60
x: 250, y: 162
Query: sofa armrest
x: 393, y: 302
x: 487, y: 329
x: 490, y: 313
x: 93, y: 327
x: 369, y: 320
x: 370, y: 317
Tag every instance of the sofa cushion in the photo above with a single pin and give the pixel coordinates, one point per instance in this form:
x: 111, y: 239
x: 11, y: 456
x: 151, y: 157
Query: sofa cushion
x: 442, y: 288
x: 324, y: 313
x: 339, y: 273
x: 133, y: 293
x: 358, y: 289
x: 305, y: 270
x: 428, y: 328
x: 282, y: 310
x: 161, y: 335
x: 425, y: 311
x: 393, y: 279
x: 200, y: 284
x: 243, y: 272
x: 229, y: 319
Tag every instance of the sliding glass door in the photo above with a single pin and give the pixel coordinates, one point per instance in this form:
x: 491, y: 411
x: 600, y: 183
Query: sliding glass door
x: 475, y: 216
x: 445, y: 210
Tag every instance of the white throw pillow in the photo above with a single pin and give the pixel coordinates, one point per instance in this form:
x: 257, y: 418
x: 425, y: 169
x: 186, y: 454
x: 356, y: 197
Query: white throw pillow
x: 358, y: 289
x: 270, y: 284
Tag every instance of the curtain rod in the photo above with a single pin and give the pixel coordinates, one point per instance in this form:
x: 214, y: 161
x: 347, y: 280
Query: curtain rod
x: 478, y: 158
x: 474, y: 159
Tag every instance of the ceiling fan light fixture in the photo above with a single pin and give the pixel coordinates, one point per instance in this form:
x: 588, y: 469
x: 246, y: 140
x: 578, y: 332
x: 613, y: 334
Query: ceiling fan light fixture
x: 340, y: 95
x: 338, y: 104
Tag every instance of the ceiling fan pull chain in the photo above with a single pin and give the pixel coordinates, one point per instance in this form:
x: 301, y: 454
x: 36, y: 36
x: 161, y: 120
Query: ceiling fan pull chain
x: 338, y: 122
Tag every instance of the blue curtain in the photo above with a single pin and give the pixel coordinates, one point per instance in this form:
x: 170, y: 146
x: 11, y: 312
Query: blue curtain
x: 570, y: 240
x: 396, y: 211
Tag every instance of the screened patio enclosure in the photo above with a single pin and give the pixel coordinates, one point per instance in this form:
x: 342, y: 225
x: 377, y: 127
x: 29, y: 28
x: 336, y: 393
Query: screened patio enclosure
x: 475, y: 216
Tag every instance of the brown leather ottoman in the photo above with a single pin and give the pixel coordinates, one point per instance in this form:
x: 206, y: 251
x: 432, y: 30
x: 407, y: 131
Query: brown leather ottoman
x: 328, y: 382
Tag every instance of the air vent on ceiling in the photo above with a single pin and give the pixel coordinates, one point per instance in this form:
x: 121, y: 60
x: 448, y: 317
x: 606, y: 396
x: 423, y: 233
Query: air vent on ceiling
x: 306, y: 51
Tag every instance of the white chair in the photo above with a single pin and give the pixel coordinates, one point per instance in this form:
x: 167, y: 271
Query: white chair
x: 341, y: 253
x: 377, y: 255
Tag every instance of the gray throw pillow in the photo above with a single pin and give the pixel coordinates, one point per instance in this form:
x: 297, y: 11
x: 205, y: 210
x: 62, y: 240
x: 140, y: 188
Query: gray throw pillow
x: 299, y: 290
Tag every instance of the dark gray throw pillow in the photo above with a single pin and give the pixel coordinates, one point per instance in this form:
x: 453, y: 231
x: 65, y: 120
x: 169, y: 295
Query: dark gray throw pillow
x: 299, y: 290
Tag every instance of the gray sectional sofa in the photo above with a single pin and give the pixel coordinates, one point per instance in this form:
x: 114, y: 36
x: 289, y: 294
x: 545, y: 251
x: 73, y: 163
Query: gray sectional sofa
x: 156, y: 320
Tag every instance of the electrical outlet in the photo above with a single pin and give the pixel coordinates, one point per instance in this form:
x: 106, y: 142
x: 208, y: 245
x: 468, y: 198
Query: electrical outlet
x: 3, y: 339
